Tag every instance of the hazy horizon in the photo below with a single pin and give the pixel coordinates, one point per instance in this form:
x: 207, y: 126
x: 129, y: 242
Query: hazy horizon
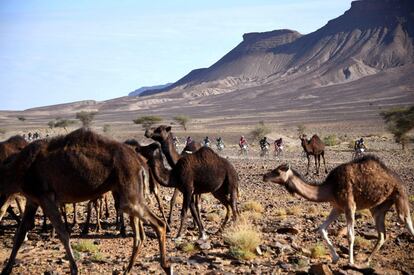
x: 58, y: 52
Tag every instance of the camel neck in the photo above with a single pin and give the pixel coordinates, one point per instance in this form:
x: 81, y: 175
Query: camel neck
x: 169, y: 151
x: 317, y: 193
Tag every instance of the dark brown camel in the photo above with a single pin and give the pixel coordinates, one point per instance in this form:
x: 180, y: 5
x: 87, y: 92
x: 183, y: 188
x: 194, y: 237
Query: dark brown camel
x: 153, y: 158
x: 364, y: 183
x: 201, y: 172
x: 78, y: 167
x: 314, y: 147
x: 9, y: 148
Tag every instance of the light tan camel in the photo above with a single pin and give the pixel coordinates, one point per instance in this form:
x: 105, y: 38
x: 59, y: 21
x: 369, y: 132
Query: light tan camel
x: 364, y: 183
x: 78, y: 167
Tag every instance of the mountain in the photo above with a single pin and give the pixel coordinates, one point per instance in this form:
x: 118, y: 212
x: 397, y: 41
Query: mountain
x: 139, y: 91
x: 372, y: 36
x: 347, y: 71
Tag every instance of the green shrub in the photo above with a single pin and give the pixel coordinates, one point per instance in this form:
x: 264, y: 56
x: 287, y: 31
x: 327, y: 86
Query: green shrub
x: 85, y: 246
x: 318, y: 251
x: 260, y: 131
x: 331, y: 140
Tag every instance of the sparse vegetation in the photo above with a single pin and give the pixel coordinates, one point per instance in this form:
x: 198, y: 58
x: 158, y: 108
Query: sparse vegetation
x: 106, y: 128
x: 85, y: 246
x: 301, y: 129
x: 51, y: 124
x: 411, y: 198
x: 318, y: 251
x: 294, y: 210
x: 331, y: 140
x: 188, y: 247
x: 182, y: 120
x: 64, y: 123
x: 147, y: 121
x: 281, y: 213
x: 243, y: 240
x: 253, y: 206
x: 213, y: 217
x: 21, y: 118
x: 399, y: 122
x: 85, y: 118
x: 361, y: 242
x: 259, y: 131
x: 312, y: 210
x: 97, y: 257
x: 2, y: 131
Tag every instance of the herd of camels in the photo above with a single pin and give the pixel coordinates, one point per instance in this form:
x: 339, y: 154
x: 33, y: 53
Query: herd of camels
x: 83, y: 166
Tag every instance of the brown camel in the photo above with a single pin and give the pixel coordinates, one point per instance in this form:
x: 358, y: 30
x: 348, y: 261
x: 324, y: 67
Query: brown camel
x: 191, y: 148
x: 78, y: 167
x: 153, y: 158
x: 201, y: 172
x: 314, y: 147
x: 9, y: 148
x: 364, y: 183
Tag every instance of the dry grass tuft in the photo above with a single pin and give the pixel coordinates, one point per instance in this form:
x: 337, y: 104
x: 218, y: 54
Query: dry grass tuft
x: 281, y: 213
x: 411, y: 198
x: 365, y: 213
x: 85, y: 246
x: 318, y: 251
x: 188, y: 247
x: 312, y: 210
x: 213, y: 217
x: 294, y: 210
x: 253, y: 206
x: 361, y: 242
x: 243, y: 239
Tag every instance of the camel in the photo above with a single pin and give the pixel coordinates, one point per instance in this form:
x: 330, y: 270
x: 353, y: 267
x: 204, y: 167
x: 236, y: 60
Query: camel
x: 78, y: 167
x: 153, y: 158
x: 364, y: 183
x: 314, y: 147
x: 201, y: 172
x: 9, y: 148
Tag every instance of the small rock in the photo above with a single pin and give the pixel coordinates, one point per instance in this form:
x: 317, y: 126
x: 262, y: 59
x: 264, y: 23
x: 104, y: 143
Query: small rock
x: 51, y: 272
x: 97, y: 242
x: 259, y: 251
x: 287, y: 230
x: 320, y: 269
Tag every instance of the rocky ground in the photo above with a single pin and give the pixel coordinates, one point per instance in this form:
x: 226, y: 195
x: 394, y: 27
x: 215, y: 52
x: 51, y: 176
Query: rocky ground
x: 286, y: 225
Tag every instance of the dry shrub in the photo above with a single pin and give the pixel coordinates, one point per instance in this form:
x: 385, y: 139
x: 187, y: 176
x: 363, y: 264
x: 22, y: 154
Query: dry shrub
x: 253, y: 206
x: 365, y: 213
x: 318, y: 251
x: 294, y: 210
x: 213, y: 217
x: 281, y: 213
x: 243, y: 239
x: 411, y: 198
x: 361, y: 242
x: 188, y: 247
x: 312, y: 210
x: 85, y: 246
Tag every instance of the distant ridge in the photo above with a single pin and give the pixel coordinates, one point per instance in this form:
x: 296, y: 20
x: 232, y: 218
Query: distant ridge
x: 141, y: 90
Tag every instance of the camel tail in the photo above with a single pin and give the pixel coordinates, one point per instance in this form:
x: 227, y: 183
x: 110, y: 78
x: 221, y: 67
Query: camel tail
x: 403, y: 210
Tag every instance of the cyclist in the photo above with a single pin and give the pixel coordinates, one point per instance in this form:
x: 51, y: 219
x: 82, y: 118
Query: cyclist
x: 206, y: 141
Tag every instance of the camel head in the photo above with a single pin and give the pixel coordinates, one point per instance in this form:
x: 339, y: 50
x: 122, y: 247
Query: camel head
x: 280, y: 175
x: 160, y: 134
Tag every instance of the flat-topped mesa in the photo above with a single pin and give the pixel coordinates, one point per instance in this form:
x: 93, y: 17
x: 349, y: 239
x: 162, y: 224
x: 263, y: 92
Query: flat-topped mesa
x: 254, y: 36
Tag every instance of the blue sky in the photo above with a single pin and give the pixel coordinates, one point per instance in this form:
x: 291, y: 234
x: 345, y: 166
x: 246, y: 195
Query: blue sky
x: 62, y: 51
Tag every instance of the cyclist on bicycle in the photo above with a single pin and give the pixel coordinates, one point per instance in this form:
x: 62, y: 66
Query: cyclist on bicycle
x: 243, y: 142
x: 220, y: 143
x: 206, y: 141
x: 278, y: 145
x: 264, y: 144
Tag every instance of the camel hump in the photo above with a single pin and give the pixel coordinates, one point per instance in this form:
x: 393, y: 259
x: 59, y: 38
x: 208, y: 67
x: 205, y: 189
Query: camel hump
x: 79, y: 137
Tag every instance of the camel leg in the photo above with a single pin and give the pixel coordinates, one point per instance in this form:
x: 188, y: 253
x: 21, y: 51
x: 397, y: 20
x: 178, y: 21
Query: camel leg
x: 50, y: 209
x: 26, y: 224
x: 138, y: 240
x: 143, y: 213
x: 197, y: 205
x: 307, y: 170
x: 106, y: 206
x: 379, y: 216
x: 172, y: 203
x: 19, y: 202
x: 4, y: 205
x: 98, y: 207
x: 196, y: 216
x: 350, y: 221
x: 64, y: 214
x: 324, y: 232
x: 221, y: 196
x: 75, y: 220
x: 85, y: 229
x: 324, y: 163
x: 403, y: 209
x: 184, y: 210
x: 161, y: 208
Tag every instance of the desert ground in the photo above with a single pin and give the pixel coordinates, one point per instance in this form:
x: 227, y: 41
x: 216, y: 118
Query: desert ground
x: 286, y: 224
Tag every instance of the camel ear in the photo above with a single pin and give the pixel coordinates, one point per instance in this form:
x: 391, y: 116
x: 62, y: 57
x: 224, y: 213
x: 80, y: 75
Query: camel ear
x: 168, y: 128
